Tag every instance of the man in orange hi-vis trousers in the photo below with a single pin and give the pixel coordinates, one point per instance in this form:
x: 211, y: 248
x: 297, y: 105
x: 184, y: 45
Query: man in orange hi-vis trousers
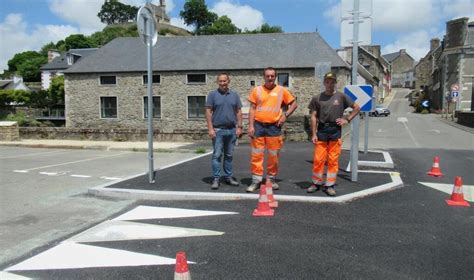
x: 266, y: 118
x: 327, y: 111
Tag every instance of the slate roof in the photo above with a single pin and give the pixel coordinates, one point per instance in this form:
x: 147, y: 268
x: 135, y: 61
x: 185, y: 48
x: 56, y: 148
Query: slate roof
x: 60, y: 62
x: 391, y: 56
x: 218, y: 52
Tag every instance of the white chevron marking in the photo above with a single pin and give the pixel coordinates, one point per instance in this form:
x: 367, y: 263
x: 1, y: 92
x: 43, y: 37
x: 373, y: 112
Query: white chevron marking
x: 149, y: 212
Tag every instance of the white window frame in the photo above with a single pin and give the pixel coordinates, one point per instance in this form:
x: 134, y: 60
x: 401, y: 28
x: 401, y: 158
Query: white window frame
x: 100, y: 107
x: 187, y: 108
x: 144, y: 107
x: 196, y: 83
x: 108, y: 85
x: 143, y: 79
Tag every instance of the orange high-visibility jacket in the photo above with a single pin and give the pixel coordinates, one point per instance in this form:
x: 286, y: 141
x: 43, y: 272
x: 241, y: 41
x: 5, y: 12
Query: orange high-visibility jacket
x: 268, y: 102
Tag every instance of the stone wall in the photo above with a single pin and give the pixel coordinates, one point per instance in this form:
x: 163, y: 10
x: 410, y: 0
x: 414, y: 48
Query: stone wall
x: 402, y: 63
x: 9, y: 131
x: 83, y: 94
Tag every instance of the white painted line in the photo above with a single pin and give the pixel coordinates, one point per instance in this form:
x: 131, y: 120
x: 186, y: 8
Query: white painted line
x: 34, y: 154
x: 467, y: 190
x: 80, y: 176
x: 183, y: 195
x: 123, y: 230
x: 183, y: 161
x: 404, y: 121
x: 77, y: 161
x: 387, y: 163
x: 150, y: 212
x: 49, y: 173
x: 69, y: 255
x: 20, y: 171
x: 10, y: 276
x: 110, y: 178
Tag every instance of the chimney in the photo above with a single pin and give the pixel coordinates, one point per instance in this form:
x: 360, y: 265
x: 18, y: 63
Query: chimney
x: 403, y: 51
x: 434, y: 43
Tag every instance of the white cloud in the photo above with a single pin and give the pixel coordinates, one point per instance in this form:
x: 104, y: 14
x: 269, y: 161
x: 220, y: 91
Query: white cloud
x: 179, y: 22
x: 138, y: 3
x: 458, y: 8
x: 16, y: 37
x: 416, y: 43
x: 333, y: 14
x: 79, y: 12
x: 243, y: 16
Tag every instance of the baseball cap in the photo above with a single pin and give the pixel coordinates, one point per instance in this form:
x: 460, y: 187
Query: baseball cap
x: 330, y: 75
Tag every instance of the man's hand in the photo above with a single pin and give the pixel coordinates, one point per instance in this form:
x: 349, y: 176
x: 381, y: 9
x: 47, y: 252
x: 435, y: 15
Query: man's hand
x: 238, y: 132
x: 341, y: 121
x: 212, y: 133
x: 251, y: 131
x: 282, y: 120
x: 314, y: 139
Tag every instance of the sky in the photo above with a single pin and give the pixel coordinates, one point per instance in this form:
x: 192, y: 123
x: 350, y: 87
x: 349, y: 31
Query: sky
x: 395, y: 24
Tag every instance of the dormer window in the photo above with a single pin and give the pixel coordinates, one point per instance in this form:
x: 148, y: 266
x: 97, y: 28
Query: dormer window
x: 70, y: 59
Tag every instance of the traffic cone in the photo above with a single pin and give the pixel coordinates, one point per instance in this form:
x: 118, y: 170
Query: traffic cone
x: 181, y: 271
x: 435, y: 170
x: 457, y: 197
x: 263, y: 208
x: 271, y: 200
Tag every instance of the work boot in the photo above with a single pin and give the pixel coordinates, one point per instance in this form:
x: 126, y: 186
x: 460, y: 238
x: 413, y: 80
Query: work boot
x: 313, y: 188
x: 232, y: 182
x: 275, y: 186
x: 253, y: 187
x: 215, y: 184
x: 329, y: 191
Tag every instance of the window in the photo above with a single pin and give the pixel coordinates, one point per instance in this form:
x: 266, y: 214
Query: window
x: 284, y: 79
x: 108, y: 80
x: 156, y: 79
x: 156, y: 107
x: 196, y: 78
x: 252, y: 83
x: 108, y: 107
x: 196, y: 107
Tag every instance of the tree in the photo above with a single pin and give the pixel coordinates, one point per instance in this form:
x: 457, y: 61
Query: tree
x: 112, y: 11
x: 195, y: 13
x: 19, y: 58
x: 223, y: 25
x: 78, y: 41
x: 49, y: 46
x: 265, y: 28
x: 56, y: 90
x: 111, y: 32
x: 30, y: 69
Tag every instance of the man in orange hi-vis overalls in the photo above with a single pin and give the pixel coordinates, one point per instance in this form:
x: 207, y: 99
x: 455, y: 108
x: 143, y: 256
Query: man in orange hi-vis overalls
x: 327, y: 111
x: 265, y: 121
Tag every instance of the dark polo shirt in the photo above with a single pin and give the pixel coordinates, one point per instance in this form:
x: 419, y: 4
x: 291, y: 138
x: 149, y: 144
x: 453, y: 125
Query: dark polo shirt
x: 224, y: 108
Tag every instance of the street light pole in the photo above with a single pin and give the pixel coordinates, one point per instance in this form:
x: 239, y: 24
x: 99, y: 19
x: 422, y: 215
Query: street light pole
x: 355, y: 122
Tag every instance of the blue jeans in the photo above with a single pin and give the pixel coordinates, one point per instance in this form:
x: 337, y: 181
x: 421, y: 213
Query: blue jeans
x: 223, y: 143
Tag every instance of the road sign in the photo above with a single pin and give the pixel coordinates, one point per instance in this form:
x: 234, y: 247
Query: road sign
x: 455, y: 87
x: 362, y: 95
x: 454, y: 93
x: 425, y: 103
x: 146, y: 25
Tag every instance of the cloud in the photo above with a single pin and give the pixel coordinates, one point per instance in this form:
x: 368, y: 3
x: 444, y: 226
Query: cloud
x: 243, y: 16
x: 139, y: 3
x: 416, y: 43
x: 179, y: 22
x: 458, y: 8
x: 333, y: 15
x: 16, y: 38
x: 79, y: 12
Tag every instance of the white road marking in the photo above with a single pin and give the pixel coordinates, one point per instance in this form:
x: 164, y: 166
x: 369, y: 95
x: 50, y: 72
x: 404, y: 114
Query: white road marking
x: 34, y: 154
x: 10, y: 276
x: 123, y: 230
x: 77, y: 161
x: 80, y: 176
x: 467, y: 190
x: 49, y: 173
x: 379, y: 130
x: 21, y: 171
x: 404, y: 121
x: 110, y: 178
x: 70, y: 255
x: 149, y: 212
x: 435, y: 130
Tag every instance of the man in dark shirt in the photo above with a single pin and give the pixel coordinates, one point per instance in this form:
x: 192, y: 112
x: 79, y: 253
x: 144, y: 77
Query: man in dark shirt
x: 327, y: 111
x: 224, y: 124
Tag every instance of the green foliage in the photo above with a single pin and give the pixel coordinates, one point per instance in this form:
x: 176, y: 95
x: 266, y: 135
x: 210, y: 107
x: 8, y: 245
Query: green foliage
x: 223, y: 25
x: 22, y: 119
x: 78, y: 41
x: 195, y: 13
x: 265, y: 28
x: 113, y: 31
x: 30, y: 69
x: 200, y: 150
x: 112, y: 11
x: 20, y: 58
x: 56, y: 90
x: 49, y: 46
x: 9, y: 96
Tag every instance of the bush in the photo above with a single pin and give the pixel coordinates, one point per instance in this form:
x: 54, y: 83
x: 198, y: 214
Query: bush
x: 23, y: 120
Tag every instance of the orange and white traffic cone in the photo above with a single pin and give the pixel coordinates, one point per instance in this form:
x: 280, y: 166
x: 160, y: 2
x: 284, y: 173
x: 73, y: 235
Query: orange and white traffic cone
x: 271, y: 200
x: 181, y: 271
x: 263, y: 208
x: 435, y: 170
x: 457, y: 197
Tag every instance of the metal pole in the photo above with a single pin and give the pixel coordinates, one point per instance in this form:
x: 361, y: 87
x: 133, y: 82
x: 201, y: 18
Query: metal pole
x: 355, y: 122
x: 151, y: 170
x: 366, y: 139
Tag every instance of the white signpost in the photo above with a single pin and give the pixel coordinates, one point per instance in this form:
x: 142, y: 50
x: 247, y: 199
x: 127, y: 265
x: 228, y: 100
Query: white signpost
x: 146, y: 25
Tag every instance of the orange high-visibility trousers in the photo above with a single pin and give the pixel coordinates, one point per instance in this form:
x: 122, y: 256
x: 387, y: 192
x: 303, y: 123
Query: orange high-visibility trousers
x: 273, y: 144
x: 326, y: 151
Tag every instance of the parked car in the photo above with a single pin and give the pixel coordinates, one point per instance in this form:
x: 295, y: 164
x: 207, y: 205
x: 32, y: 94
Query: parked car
x: 380, y: 110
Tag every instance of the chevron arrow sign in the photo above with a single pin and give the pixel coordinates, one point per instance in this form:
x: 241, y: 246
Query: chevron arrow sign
x: 362, y: 95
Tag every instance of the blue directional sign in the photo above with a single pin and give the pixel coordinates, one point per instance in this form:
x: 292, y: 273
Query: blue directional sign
x: 425, y: 103
x: 455, y: 93
x: 362, y: 95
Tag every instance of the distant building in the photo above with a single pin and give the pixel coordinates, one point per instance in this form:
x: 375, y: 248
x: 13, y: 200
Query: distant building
x: 400, y: 63
x: 58, y: 62
x: 16, y: 84
x: 108, y: 89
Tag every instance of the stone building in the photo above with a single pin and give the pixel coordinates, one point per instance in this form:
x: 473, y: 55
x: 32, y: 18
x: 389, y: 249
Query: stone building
x: 400, y: 63
x: 108, y: 89
x: 372, y: 69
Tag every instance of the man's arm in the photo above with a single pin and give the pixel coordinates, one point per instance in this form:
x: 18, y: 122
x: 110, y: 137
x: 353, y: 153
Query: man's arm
x: 239, y: 122
x: 291, y: 108
x: 314, y: 127
x: 251, y: 128
x: 210, y: 128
